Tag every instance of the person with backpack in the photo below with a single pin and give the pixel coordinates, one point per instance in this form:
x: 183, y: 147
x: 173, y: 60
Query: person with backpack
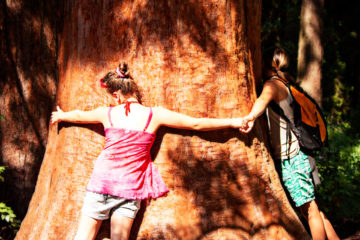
x: 291, y: 137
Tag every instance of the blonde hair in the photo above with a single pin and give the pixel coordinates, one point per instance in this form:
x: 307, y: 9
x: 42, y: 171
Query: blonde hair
x: 276, y: 60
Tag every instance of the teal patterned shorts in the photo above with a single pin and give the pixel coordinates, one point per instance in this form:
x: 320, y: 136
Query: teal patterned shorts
x: 296, y: 175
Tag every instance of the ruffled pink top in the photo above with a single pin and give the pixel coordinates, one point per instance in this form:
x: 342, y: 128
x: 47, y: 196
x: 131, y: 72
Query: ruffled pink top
x: 124, y: 168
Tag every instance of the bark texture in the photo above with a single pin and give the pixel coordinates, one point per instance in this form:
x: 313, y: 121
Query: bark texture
x: 200, y: 58
x: 310, y: 53
x: 28, y: 77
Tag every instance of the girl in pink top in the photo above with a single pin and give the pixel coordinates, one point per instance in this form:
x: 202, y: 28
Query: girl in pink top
x: 124, y: 174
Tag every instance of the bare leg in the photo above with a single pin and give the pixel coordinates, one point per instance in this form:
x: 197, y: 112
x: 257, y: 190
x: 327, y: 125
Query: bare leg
x: 88, y: 228
x: 120, y: 227
x: 330, y: 231
x: 312, y: 214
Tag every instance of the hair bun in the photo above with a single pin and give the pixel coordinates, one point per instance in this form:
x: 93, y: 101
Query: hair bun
x: 123, y: 68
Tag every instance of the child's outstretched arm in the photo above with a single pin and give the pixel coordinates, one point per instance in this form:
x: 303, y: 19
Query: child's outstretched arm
x: 169, y: 118
x: 268, y: 93
x: 78, y: 116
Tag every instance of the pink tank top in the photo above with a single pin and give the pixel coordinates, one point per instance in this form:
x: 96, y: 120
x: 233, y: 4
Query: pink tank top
x: 124, y: 167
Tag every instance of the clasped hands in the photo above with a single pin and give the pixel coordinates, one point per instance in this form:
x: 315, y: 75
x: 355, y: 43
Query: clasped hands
x: 246, y: 124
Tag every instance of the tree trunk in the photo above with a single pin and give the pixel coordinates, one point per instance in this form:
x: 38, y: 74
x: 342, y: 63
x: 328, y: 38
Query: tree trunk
x: 201, y: 59
x: 27, y: 92
x: 310, y: 53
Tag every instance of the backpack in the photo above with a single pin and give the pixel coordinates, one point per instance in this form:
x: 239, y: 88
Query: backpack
x: 309, y: 124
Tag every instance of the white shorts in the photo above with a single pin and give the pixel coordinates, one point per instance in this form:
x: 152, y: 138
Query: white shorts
x: 101, y: 206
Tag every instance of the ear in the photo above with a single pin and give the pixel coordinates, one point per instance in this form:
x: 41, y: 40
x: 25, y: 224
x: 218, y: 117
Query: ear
x: 116, y: 95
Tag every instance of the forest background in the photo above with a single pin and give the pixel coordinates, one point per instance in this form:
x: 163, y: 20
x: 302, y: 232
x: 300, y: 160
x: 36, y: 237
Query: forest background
x: 339, y: 164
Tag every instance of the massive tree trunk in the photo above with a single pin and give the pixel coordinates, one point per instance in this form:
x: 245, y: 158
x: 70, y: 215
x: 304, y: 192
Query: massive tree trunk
x: 27, y: 92
x: 199, y: 58
x: 310, y: 53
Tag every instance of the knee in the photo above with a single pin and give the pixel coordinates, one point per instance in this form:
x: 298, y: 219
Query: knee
x: 310, y: 209
x: 313, y: 208
x: 118, y: 234
x: 120, y: 231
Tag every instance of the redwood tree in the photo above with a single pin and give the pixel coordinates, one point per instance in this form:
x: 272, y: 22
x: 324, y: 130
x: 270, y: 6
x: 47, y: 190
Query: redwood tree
x: 310, y: 51
x: 199, y: 58
x: 28, y: 80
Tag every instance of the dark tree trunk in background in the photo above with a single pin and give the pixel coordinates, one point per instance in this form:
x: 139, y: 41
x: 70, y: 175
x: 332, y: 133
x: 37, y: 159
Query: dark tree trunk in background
x: 310, y: 53
x: 199, y: 58
x: 27, y: 92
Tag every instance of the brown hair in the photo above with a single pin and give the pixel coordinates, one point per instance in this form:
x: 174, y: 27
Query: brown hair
x: 276, y: 60
x: 120, y: 79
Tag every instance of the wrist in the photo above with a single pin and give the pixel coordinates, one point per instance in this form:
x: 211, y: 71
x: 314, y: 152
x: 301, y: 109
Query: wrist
x: 231, y: 122
x: 63, y: 116
x: 251, y: 117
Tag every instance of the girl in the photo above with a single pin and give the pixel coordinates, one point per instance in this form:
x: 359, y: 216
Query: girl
x: 295, y: 167
x: 124, y: 174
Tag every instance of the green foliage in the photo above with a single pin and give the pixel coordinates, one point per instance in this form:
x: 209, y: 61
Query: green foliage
x: 2, y: 169
x: 8, y: 215
x: 340, y: 69
x: 9, y: 224
x: 339, y: 168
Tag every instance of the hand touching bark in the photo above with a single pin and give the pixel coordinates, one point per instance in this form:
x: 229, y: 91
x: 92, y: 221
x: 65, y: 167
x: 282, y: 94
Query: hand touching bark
x: 57, y: 115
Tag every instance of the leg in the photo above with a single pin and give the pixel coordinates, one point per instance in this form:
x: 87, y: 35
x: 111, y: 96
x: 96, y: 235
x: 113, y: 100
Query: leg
x: 312, y: 214
x: 120, y: 227
x: 122, y: 219
x: 330, y: 231
x: 296, y: 175
x: 88, y: 228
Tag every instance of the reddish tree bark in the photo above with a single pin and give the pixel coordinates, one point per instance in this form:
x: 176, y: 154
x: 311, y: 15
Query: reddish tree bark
x: 198, y: 58
x: 28, y: 77
x: 310, y: 54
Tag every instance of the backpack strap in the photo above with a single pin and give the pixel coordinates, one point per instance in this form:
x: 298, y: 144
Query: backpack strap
x: 276, y: 77
x: 273, y: 104
x: 109, y: 116
x: 288, y: 138
x: 276, y: 108
x: 149, y: 119
x: 314, y: 170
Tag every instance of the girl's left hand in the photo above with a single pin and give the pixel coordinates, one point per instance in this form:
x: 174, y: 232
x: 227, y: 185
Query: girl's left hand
x: 57, y: 115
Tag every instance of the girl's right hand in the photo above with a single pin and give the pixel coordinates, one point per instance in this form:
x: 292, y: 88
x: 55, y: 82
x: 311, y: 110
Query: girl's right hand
x: 57, y: 115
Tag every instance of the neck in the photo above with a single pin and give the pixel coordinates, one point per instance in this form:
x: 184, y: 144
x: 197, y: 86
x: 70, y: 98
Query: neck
x: 130, y: 99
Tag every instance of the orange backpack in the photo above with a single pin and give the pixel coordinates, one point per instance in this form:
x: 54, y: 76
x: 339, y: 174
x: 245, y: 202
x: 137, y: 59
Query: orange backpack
x: 309, y: 124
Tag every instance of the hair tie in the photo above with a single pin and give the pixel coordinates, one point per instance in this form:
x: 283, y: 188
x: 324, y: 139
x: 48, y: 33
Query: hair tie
x: 119, y: 72
x: 102, y: 83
